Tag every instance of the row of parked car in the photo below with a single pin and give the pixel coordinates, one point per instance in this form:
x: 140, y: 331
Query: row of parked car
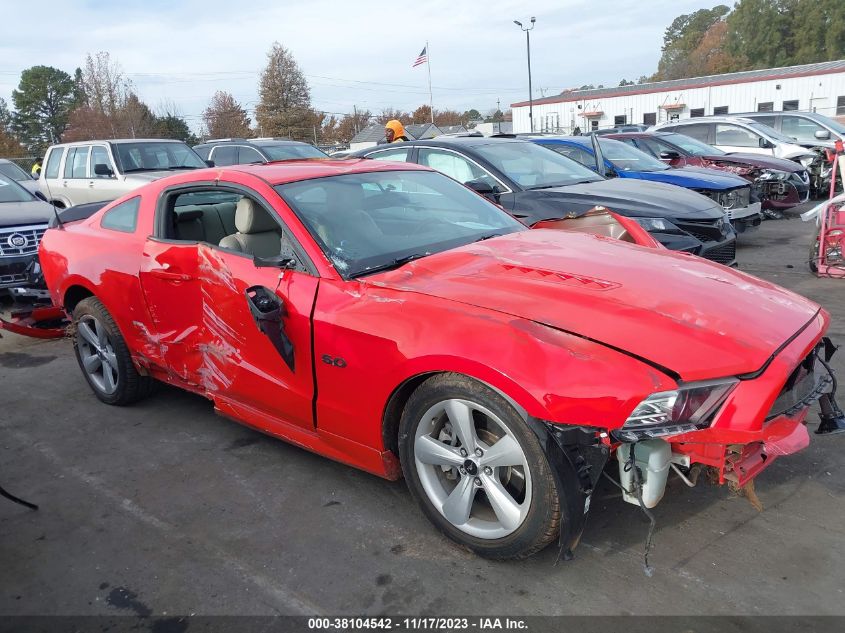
x: 690, y: 195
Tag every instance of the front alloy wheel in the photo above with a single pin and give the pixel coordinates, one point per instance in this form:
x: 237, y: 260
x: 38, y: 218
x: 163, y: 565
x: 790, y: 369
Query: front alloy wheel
x: 96, y: 354
x: 476, y: 469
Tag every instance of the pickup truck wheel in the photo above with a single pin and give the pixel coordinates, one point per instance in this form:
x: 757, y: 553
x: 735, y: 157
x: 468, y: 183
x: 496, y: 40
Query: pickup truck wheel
x: 476, y: 469
x: 103, y: 356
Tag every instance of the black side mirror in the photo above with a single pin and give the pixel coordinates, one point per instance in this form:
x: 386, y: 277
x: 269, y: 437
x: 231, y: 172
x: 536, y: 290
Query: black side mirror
x: 277, y: 261
x: 669, y: 155
x: 484, y: 188
x: 210, y: 163
x: 40, y: 196
x: 765, y: 144
x: 103, y: 170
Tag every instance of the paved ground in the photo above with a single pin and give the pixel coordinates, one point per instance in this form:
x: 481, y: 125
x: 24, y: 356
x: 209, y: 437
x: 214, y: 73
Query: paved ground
x: 165, y: 508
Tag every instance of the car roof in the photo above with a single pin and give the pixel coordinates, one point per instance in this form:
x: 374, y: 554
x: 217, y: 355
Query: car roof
x: 640, y: 134
x: 709, y: 119
x: 260, y: 142
x: 455, y: 141
x: 282, y: 172
x: 119, y: 141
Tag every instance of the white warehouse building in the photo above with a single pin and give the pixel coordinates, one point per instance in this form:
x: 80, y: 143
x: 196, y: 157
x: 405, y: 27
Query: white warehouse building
x: 811, y: 87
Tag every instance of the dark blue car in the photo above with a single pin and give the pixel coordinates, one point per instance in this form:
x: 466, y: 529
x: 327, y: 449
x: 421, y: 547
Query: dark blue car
x: 621, y: 160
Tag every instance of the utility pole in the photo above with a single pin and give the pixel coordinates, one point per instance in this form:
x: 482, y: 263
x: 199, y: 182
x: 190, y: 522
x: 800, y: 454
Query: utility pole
x: 355, y: 119
x: 528, y: 49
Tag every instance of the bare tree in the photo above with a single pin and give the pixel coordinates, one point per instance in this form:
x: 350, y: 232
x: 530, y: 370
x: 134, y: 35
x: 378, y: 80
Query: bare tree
x: 225, y: 118
x: 285, y: 100
x: 389, y: 114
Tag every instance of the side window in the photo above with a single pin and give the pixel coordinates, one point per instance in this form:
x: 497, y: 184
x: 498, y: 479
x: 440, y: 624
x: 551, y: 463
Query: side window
x: 71, y: 152
x: 765, y: 120
x: 203, y: 152
x: 53, y: 162
x: 697, y: 131
x: 650, y: 146
x: 80, y: 163
x: 399, y: 155
x: 696, y: 112
x: 123, y: 217
x: 800, y: 128
x: 575, y: 153
x: 249, y: 155
x: 735, y: 136
x: 453, y: 165
x: 100, y: 156
x: 223, y: 155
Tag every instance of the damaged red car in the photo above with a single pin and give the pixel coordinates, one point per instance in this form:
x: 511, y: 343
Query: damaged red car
x: 387, y: 317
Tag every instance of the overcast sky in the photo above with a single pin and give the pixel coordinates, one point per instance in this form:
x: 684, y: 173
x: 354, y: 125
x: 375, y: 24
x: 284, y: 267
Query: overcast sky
x: 352, y: 52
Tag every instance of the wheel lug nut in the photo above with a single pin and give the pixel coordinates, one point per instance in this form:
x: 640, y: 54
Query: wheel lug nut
x: 463, y: 452
x: 462, y: 470
x: 488, y: 471
x: 478, y: 452
x: 477, y: 482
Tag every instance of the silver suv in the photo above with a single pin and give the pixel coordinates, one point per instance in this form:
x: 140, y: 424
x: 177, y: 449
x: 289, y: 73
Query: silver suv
x: 96, y: 171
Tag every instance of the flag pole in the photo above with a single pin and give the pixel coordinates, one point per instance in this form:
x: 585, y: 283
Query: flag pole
x: 428, y: 65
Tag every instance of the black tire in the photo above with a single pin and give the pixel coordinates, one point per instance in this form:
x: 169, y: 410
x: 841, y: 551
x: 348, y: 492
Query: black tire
x: 129, y: 386
x: 540, y: 525
x: 813, y: 261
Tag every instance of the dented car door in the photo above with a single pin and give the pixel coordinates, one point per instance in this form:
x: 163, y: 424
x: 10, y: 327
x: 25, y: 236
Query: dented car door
x: 256, y: 324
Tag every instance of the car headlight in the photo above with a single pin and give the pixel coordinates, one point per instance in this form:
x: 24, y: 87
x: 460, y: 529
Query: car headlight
x: 773, y: 174
x: 729, y: 199
x: 669, y: 412
x: 657, y: 224
x: 807, y: 160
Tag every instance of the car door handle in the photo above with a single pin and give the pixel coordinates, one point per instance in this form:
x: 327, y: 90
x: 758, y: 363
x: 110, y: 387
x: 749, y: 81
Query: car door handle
x: 166, y: 275
x: 64, y: 184
x: 91, y: 184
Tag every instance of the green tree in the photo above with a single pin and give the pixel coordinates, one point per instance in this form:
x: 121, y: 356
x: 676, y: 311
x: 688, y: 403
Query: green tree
x: 284, y: 106
x: 471, y: 115
x: 681, y: 37
x: 818, y: 31
x: 174, y: 127
x: 760, y: 33
x: 43, y: 101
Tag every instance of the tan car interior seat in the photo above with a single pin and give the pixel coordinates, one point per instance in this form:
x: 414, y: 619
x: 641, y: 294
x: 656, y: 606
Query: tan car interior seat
x: 257, y: 232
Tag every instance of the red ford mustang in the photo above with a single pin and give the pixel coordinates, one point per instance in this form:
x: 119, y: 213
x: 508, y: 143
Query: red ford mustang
x: 385, y: 316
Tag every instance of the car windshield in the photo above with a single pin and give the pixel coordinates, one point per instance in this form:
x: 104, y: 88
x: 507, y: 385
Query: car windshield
x: 532, y: 166
x: 153, y: 156
x: 770, y: 132
x: 833, y: 124
x: 10, y: 191
x: 626, y: 158
x: 379, y: 220
x: 14, y: 171
x: 691, y: 145
x: 288, y: 152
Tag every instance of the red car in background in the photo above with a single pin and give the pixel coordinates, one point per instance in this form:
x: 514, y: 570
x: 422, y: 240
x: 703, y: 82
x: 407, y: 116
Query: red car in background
x: 387, y: 317
x: 779, y: 183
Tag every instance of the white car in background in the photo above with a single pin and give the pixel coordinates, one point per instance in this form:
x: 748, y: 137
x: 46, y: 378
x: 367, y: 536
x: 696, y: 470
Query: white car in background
x: 97, y: 171
x: 735, y: 134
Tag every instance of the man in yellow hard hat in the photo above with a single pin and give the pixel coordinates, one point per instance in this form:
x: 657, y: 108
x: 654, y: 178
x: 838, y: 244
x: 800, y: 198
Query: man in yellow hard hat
x: 394, y: 131
x: 36, y: 169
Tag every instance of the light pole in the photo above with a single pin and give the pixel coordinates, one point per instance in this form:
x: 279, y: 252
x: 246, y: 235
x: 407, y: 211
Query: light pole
x: 528, y: 49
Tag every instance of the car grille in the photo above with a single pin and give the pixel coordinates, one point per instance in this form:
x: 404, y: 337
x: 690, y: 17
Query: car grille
x: 719, y: 241
x: 724, y: 254
x: 21, y: 240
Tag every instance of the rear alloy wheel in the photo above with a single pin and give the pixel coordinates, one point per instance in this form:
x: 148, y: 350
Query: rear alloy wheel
x: 103, y: 356
x: 476, y: 469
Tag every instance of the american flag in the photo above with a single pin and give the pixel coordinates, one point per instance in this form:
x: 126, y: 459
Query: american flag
x: 422, y: 59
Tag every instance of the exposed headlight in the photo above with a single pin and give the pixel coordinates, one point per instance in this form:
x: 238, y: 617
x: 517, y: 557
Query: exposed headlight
x: 684, y: 409
x: 807, y: 160
x: 773, y: 174
x: 657, y: 224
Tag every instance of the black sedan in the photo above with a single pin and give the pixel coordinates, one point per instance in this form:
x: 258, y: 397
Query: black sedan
x: 534, y: 184
x: 23, y: 220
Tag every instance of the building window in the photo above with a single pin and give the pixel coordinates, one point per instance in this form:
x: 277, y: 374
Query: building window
x: 840, y: 106
x: 720, y: 110
x: 650, y: 118
x: 594, y: 124
x: 619, y: 119
x: 790, y: 105
x: 696, y: 112
x: 674, y: 116
x: 766, y: 106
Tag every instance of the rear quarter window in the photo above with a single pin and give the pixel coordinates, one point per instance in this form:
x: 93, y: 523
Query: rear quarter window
x: 123, y: 217
x: 54, y: 161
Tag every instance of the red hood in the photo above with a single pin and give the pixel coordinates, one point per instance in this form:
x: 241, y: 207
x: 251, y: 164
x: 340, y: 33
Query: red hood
x: 697, y: 318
